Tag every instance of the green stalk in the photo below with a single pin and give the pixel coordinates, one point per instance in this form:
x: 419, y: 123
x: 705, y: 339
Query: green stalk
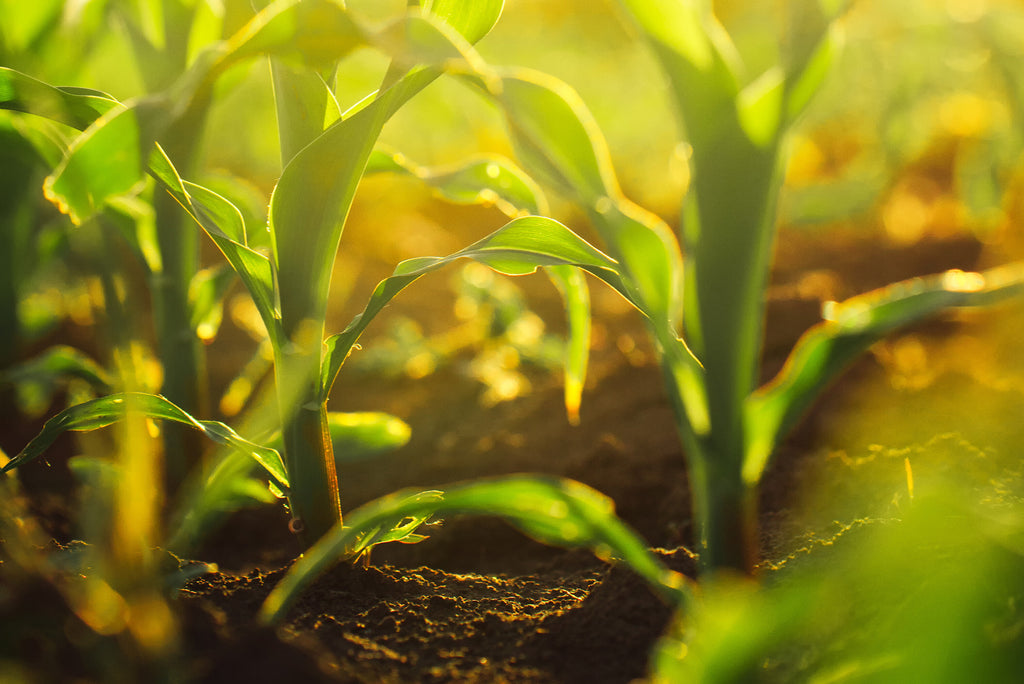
x: 730, y: 267
x: 181, y: 351
x: 18, y: 174
x: 314, y: 497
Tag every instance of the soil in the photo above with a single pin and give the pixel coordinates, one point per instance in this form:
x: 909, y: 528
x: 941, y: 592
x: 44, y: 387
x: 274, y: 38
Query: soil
x: 478, y: 601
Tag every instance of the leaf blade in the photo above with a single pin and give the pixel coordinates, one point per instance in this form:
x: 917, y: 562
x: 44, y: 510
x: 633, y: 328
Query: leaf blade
x: 108, y: 410
x: 554, y: 511
x: 850, y: 328
x: 518, y: 248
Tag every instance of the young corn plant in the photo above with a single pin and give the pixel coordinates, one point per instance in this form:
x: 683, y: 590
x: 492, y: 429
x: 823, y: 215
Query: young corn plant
x: 704, y: 302
x: 289, y: 287
x: 306, y: 215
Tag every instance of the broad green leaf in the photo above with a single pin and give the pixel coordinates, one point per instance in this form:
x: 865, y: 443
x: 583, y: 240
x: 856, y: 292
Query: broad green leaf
x: 553, y: 511
x: 39, y: 378
x: 206, y: 296
x: 849, y: 328
x: 75, y: 107
x: 728, y: 222
x: 518, y: 248
x: 484, y: 180
x: 312, y: 199
x: 300, y: 98
x: 107, y: 160
x: 572, y: 286
x: 224, y: 224
x: 559, y: 142
x: 495, y: 180
x: 473, y: 19
x: 357, y: 436
x: 555, y: 136
x: 110, y: 409
x: 225, y: 487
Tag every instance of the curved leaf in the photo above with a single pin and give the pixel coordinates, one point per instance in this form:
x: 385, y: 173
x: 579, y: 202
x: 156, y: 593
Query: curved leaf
x: 223, y: 222
x: 558, y: 141
x: 110, y: 409
x: 488, y: 179
x: 357, y: 436
x: 496, y: 180
x: 556, y: 137
x: 38, y: 379
x: 554, y: 511
x: 312, y: 199
x: 471, y: 18
x: 849, y: 329
x: 518, y: 248
x: 75, y: 107
x: 572, y: 285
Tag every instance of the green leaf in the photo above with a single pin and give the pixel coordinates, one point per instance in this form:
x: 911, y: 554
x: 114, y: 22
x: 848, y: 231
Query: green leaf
x: 224, y: 224
x: 553, y: 511
x: 489, y: 179
x: 699, y: 60
x: 225, y: 487
x: 312, y: 199
x: 812, y: 46
x: 206, y: 294
x: 572, y: 285
x: 107, y: 160
x: 555, y: 136
x: 728, y: 222
x: 473, y: 19
x: 300, y: 97
x: 39, y: 378
x: 559, y: 142
x: 75, y: 107
x: 358, y: 436
x: 496, y: 180
x: 849, y: 329
x: 110, y: 409
x: 518, y: 248
x: 318, y: 32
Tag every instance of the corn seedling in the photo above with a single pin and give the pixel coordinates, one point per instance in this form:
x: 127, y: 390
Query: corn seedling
x: 704, y: 302
x: 306, y: 215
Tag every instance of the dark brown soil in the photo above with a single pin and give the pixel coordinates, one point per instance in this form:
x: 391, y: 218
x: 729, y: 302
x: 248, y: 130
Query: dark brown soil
x: 479, y: 602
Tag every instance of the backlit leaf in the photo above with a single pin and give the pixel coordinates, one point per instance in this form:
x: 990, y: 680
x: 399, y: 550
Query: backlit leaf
x: 483, y: 180
x: 75, y: 107
x: 312, y: 199
x: 110, y: 409
x: 495, y: 180
x: 473, y: 19
x: 554, y: 511
x: 224, y: 224
x: 849, y: 329
x: 357, y: 436
x: 518, y: 248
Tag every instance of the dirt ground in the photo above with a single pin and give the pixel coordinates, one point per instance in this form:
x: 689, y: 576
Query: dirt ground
x: 479, y: 602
